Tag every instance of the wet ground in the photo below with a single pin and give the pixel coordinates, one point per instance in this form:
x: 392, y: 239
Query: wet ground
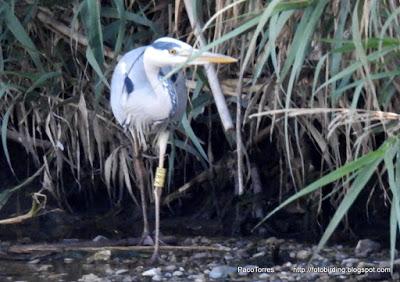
x: 201, y: 259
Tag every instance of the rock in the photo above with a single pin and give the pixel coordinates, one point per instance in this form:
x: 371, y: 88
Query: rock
x: 205, y: 240
x: 90, y: 278
x: 260, y: 254
x: 264, y: 275
x: 274, y: 241
x: 45, y: 267
x: 200, y: 255
x: 156, y: 278
x: 100, y: 238
x: 152, y: 272
x: 341, y: 256
x: 366, y: 247
x: 104, y: 255
x: 350, y: 262
x: 68, y: 260
x: 229, y: 257
x: 303, y: 255
x: 121, y: 271
x: 197, y: 278
x: 222, y: 271
x: 34, y: 261
x: 177, y: 273
x: 170, y: 267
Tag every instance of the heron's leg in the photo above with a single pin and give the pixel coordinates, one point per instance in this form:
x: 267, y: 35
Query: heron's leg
x: 158, y: 186
x: 140, y: 175
x: 140, y: 178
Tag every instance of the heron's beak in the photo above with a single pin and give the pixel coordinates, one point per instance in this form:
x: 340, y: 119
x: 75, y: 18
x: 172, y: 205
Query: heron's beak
x: 208, y: 57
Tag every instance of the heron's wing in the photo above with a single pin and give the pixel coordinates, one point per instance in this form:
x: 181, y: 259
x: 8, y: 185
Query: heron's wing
x: 128, y: 72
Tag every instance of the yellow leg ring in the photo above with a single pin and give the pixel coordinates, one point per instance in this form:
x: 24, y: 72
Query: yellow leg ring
x: 160, y: 177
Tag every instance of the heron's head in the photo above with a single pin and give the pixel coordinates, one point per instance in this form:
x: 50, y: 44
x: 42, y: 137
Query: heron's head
x: 168, y: 51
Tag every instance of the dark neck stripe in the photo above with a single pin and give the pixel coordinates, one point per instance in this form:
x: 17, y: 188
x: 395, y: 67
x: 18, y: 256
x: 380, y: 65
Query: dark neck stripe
x: 169, y: 86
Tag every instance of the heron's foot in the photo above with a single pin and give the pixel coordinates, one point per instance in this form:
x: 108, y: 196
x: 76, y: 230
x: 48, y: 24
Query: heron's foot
x: 156, y: 258
x: 146, y: 239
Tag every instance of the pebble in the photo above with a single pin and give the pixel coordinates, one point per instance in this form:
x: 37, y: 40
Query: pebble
x: 68, y: 260
x: 90, y: 278
x: 100, y: 238
x: 350, y: 262
x: 45, y: 267
x: 260, y: 254
x: 104, y: 255
x: 196, y: 278
x: 366, y: 247
x: 121, y: 271
x: 156, y: 278
x: 152, y: 272
x: 170, y: 267
x: 200, y: 255
x: 264, y: 276
x: 177, y: 273
x: 341, y: 256
x: 303, y: 255
x: 167, y: 274
x: 222, y: 271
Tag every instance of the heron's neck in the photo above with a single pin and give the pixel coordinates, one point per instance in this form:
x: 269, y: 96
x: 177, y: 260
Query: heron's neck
x: 152, y: 72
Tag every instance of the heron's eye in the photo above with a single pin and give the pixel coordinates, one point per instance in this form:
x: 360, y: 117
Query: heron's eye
x: 172, y: 51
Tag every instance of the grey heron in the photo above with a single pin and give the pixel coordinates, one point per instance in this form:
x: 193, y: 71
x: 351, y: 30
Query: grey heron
x: 147, y: 103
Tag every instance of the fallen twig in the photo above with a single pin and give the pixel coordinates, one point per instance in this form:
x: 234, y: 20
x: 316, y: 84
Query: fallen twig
x: 94, y: 247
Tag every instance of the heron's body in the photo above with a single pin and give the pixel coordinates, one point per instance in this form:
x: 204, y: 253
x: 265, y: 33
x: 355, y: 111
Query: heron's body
x: 143, y: 101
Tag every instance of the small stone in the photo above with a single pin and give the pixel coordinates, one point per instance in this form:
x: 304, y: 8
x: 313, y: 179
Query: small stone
x: 156, y: 278
x: 350, y: 262
x: 152, y: 272
x: 303, y: 255
x: 260, y: 254
x: 34, y: 261
x: 200, y: 255
x: 205, y: 240
x: 90, y: 278
x: 366, y: 247
x: 121, y: 271
x: 264, y: 275
x: 68, y: 260
x: 177, y: 273
x: 242, y: 253
x: 229, y: 257
x: 100, y: 238
x: 222, y: 271
x: 341, y: 256
x: 104, y: 255
x: 197, y: 278
x: 45, y: 267
x: 170, y: 267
